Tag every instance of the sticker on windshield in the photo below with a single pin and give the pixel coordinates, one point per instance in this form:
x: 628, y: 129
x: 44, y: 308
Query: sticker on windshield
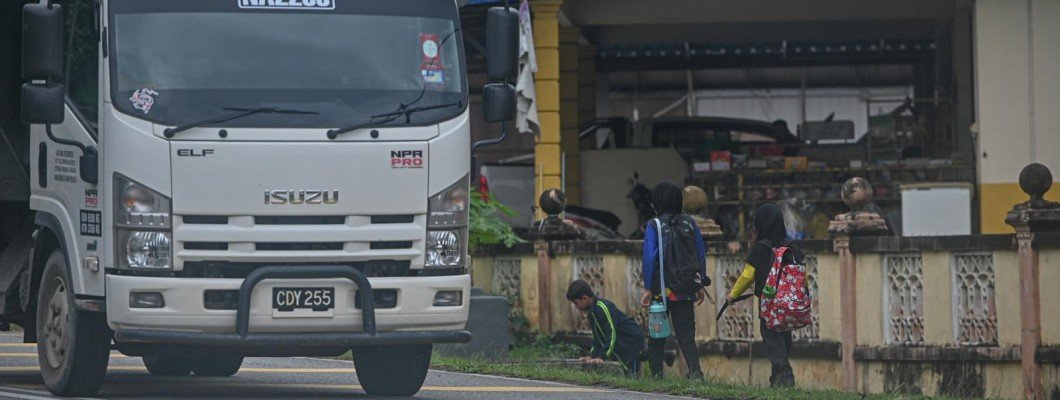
x: 289, y: 4
x: 434, y: 77
x: 431, y: 67
x: 429, y: 46
x: 143, y: 99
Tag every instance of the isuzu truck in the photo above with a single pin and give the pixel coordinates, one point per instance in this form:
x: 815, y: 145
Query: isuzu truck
x: 198, y: 181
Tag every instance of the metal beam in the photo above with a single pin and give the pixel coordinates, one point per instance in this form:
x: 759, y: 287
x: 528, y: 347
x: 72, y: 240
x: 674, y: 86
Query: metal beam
x: 779, y: 54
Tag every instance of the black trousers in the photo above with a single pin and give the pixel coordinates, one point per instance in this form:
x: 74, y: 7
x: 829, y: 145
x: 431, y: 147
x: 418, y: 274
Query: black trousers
x: 631, y: 364
x: 778, y: 345
x: 683, y: 319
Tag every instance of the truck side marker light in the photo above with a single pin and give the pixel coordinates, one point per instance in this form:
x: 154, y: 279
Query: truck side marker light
x: 91, y: 263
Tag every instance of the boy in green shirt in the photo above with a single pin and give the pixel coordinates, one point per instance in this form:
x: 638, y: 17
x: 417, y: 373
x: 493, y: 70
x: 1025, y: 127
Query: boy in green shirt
x: 615, y: 335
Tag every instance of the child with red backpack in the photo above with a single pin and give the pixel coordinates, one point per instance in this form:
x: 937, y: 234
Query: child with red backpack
x: 777, y: 269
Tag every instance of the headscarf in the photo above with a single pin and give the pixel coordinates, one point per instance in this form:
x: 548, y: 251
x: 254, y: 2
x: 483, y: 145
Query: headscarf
x: 666, y: 198
x: 769, y: 224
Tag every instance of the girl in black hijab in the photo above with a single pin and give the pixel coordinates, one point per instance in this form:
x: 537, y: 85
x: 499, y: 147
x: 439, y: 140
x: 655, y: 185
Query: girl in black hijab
x: 769, y: 232
x: 666, y: 199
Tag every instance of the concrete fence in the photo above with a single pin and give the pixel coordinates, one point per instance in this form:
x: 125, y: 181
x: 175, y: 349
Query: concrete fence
x: 933, y: 316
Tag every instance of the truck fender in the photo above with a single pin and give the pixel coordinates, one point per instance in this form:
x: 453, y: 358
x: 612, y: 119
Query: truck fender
x: 48, y: 224
x: 49, y: 234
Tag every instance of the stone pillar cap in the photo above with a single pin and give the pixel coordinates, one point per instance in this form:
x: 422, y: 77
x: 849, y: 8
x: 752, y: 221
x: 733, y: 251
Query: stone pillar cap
x: 1037, y: 213
x: 857, y: 193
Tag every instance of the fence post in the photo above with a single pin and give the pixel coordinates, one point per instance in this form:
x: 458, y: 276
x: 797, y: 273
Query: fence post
x: 857, y: 194
x: 544, y: 286
x: 848, y: 308
x: 1027, y: 218
x: 543, y: 233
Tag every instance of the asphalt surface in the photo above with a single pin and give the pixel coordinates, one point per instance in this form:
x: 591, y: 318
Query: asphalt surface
x: 277, y: 378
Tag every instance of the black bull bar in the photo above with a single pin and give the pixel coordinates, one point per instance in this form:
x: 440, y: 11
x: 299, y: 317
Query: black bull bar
x: 136, y: 341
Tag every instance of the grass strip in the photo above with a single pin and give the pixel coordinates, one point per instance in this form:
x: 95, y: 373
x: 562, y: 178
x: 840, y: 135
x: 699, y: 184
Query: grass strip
x: 673, y: 386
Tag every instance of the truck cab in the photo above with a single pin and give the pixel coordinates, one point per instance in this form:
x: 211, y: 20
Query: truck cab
x: 209, y: 180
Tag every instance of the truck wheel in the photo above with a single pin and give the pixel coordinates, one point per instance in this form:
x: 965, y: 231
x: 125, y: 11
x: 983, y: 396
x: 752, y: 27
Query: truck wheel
x: 168, y: 366
x: 392, y: 370
x: 217, y: 366
x: 73, y: 347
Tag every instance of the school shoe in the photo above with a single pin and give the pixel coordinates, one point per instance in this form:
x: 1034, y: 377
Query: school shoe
x: 670, y: 356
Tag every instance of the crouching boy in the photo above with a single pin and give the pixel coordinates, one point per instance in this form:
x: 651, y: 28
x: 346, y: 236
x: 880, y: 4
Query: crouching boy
x: 615, y: 335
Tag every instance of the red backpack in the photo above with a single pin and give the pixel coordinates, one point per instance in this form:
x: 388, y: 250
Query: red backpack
x: 790, y: 308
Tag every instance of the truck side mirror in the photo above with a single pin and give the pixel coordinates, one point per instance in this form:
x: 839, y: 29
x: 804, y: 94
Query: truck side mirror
x: 42, y: 42
x: 43, y: 103
x: 502, y: 44
x: 498, y: 102
x: 42, y: 60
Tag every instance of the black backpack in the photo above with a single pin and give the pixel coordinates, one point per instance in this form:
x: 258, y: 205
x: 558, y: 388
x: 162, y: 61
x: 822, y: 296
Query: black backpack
x: 680, y: 259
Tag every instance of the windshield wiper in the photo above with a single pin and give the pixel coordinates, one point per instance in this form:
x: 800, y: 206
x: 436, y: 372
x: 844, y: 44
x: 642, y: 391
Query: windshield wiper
x: 403, y: 110
x: 243, y: 112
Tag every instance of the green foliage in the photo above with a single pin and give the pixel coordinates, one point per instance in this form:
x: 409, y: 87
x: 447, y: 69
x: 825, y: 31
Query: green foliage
x: 543, y: 347
x: 520, y: 326
x: 485, y: 226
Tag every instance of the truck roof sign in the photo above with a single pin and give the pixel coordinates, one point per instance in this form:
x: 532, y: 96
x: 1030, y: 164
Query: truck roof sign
x: 289, y: 4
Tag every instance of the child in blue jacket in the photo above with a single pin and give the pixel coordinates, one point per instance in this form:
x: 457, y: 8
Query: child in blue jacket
x: 666, y: 200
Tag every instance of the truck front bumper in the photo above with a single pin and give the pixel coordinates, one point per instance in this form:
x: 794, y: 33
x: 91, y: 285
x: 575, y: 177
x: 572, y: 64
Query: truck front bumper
x: 153, y: 342
x: 254, y: 328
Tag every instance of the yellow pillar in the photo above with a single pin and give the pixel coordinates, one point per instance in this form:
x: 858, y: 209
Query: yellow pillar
x: 569, y: 93
x: 547, y: 150
x: 586, y: 105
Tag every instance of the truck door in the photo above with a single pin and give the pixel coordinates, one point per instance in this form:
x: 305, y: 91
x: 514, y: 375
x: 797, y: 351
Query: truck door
x: 58, y: 188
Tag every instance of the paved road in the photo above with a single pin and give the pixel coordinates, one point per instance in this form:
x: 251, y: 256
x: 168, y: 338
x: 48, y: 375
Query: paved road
x: 277, y: 378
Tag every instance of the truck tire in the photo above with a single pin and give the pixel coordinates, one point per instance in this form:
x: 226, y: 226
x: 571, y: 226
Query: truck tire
x: 168, y: 366
x: 216, y: 366
x: 392, y: 370
x: 73, y: 347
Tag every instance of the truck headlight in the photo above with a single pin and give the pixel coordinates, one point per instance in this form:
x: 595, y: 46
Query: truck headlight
x: 447, y: 220
x: 144, y: 249
x: 143, y: 230
x: 445, y: 249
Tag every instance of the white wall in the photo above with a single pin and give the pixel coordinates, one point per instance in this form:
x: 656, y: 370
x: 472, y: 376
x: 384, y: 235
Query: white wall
x: 1046, y: 40
x: 1017, y: 65
x: 606, y: 174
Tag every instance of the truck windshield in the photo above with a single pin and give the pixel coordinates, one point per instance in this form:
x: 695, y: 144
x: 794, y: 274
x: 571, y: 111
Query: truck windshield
x: 182, y: 61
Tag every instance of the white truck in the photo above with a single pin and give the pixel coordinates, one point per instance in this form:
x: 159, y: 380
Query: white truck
x: 198, y: 181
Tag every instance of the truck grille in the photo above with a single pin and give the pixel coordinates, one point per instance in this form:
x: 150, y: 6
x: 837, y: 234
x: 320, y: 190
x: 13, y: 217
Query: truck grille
x: 313, y: 239
x: 220, y: 269
x: 206, y: 219
x: 301, y: 246
x: 216, y: 246
x: 299, y: 220
x: 392, y: 219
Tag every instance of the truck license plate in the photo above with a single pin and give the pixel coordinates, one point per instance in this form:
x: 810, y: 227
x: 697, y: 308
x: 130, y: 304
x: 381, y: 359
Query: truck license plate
x: 291, y: 299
